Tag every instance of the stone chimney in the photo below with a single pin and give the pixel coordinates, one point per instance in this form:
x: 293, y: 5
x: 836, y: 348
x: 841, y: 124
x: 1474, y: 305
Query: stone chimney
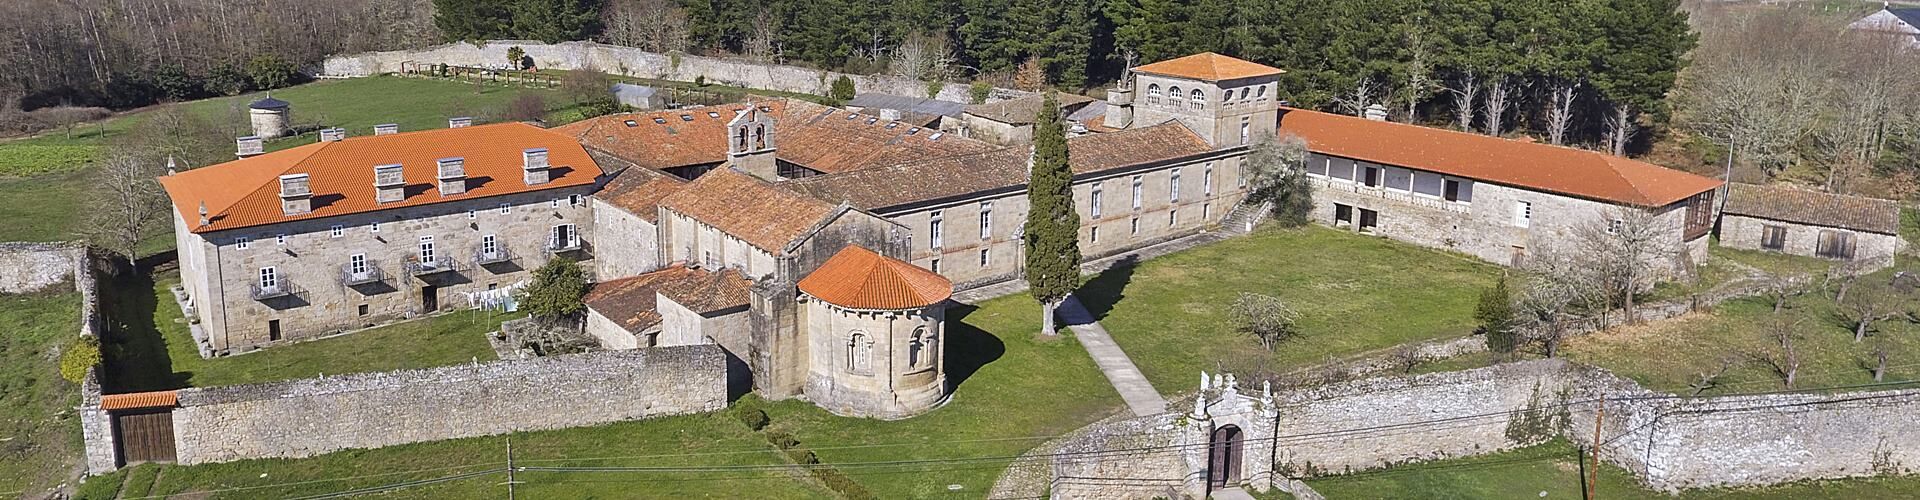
x: 203, y: 213
x: 1376, y: 113
x: 388, y: 184
x: 452, y: 176
x: 249, y: 146
x: 296, y: 197
x: 332, y: 134
x: 386, y: 129
x: 890, y: 114
x: 460, y: 122
x: 1119, y: 107
x: 534, y: 164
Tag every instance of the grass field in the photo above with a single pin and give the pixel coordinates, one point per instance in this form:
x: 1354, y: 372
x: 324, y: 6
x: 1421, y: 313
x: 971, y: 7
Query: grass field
x: 1011, y: 392
x: 1552, y: 471
x: 1353, y: 293
x: 37, y: 425
x: 43, y: 179
x: 150, y: 347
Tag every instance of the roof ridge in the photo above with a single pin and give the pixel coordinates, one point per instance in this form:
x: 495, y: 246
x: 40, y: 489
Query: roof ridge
x: 1614, y: 167
x: 226, y: 210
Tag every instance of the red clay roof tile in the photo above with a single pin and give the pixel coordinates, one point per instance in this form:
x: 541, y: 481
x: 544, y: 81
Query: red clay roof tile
x: 858, y: 278
x: 157, y: 399
x: 1208, y: 66
x: 633, y: 301
x: 760, y: 213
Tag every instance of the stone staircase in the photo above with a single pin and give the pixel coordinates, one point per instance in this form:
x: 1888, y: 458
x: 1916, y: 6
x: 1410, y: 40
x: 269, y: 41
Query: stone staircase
x: 1245, y: 217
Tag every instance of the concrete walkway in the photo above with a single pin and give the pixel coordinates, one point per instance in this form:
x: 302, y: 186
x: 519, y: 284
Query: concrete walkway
x: 1126, y: 377
x: 1234, y: 493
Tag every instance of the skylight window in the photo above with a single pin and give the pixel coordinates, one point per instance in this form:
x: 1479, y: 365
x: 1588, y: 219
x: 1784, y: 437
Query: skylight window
x: 892, y: 124
x: 870, y: 121
x: 914, y: 130
x: 935, y: 136
x: 851, y: 116
x: 711, y: 114
x: 659, y: 120
x: 686, y: 118
x: 631, y: 123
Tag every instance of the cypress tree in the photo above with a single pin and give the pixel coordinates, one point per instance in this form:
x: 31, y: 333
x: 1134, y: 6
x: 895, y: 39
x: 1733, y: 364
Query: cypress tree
x: 1053, y: 228
x: 1495, y: 314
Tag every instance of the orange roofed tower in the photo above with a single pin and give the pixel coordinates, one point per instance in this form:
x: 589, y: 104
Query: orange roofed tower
x: 875, y: 331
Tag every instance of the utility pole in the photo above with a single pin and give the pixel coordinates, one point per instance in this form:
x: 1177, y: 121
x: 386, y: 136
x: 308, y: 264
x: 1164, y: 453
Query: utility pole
x: 1593, y: 472
x: 510, y: 467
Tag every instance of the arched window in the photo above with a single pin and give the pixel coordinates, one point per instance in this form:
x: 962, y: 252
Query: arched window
x: 743, y: 138
x: 1174, y: 96
x: 1153, y: 94
x: 859, y: 353
x: 760, y: 136
x: 921, y: 349
x: 1261, y: 92
x: 1199, y: 99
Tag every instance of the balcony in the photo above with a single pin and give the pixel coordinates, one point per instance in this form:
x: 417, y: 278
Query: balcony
x: 281, y: 288
x: 369, y: 273
x: 437, y: 265
x: 1422, y: 201
x: 498, y: 255
x: 559, y: 245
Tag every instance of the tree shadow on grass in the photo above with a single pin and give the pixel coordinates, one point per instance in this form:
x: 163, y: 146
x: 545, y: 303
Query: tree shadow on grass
x: 1100, y: 293
x: 135, y: 352
x: 968, y: 347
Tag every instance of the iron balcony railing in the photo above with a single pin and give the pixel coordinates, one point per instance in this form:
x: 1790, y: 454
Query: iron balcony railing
x: 436, y: 265
x: 1391, y: 195
x: 497, y: 255
x: 280, y: 288
x: 559, y: 245
x: 369, y: 272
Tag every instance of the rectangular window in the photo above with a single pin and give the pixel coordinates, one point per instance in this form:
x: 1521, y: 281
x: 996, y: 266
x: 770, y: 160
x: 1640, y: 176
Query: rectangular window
x: 1094, y: 203
x: 488, y: 246
x: 564, y: 237
x: 473, y: 214
x: 1342, y: 215
x: 1368, y: 220
x: 933, y: 229
x: 986, y: 220
x: 573, y: 200
x: 1613, y: 226
x: 1136, y: 192
x: 357, y: 264
x: 506, y: 208
x: 1173, y: 189
x: 269, y: 278
x: 1173, y: 217
x: 337, y: 231
x: 426, y: 248
x: 1134, y: 227
x: 242, y: 242
x: 1370, y: 177
x: 1206, y: 211
x: 1206, y: 180
x: 373, y: 227
x: 1093, y: 235
x: 555, y: 203
x: 934, y: 266
x: 1246, y: 131
x: 1452, y: 190
x: 1773, y: 237
x: 280, y: 239
x: 986, y: 257
x: 363, y: 309
x: 1522, y: 213
x: 1241, y: 170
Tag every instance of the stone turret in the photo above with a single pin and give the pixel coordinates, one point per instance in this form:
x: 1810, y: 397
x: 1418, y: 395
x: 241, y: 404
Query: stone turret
x: 875, y: 329
x: 270, y: 117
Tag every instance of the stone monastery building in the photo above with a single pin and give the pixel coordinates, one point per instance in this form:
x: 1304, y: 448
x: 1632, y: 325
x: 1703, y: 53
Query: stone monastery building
x: 820, y: 246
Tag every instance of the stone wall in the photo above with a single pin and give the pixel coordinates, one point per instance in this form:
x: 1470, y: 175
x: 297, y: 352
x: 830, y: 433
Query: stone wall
x: 1669, y: 442
x: 302, y: 418
x: 1738, y: 231
x: 27, y: 267
x: 634, y: 62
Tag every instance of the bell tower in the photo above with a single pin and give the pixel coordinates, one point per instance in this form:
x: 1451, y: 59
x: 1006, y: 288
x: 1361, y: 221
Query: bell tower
x: 750, y: 142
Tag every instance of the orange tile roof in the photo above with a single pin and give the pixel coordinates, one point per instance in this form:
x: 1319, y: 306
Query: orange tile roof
x: 639, y: 191
x: 633, y: 302
x: 245, y: 192
x: 1208, y: 66
x: 157, y: 399
x: 1134, y: 146
x: 1542, y: 167
x: 760, y: 213
x: 818, y: 137
x: 858, y: 278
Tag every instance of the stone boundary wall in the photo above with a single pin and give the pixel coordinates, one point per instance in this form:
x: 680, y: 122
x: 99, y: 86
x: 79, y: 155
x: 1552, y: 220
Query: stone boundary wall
x: 634, y: 62
x: 307, y: 417
x: 1670, y: 443
x: 27, y: 267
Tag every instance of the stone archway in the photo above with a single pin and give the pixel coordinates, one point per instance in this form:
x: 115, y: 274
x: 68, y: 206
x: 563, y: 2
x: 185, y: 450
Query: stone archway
x: 1223, y: 456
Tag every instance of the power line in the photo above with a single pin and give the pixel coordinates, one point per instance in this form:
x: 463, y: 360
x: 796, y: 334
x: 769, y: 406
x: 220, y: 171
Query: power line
x: 315, y: 481
x: 396, y: 486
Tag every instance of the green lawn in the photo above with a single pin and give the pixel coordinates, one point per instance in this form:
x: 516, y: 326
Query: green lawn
x: 1012, y: 391
x: 43, y: 178
x: 37, y: 425
x: 150, y: 347
x: 1553, y: 471
x: 1353, y: 293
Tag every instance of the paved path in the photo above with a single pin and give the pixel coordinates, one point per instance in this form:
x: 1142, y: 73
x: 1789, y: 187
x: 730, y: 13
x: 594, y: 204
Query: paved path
x: 1119, y: 369
x: 1231, y: 494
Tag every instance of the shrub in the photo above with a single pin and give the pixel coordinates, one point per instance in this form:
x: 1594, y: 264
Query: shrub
x: 934, y: 87
x: 979, y: 91
x: 83, y: 354
x: 516, y: 57
x: 527, y: 106
x: 1495, y: 315
x: 601, y: 106
x: 269, y: 71
x: 754, y: 418
x: 782, y: 439
x: 700, y: 81
x: 842, y: 89
x: 556, y: 290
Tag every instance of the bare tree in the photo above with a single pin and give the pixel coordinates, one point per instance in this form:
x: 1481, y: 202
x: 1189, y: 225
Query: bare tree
x: 1498, y: 93
x: 1560, y: 111
x: 1784, y: 359
x: 67, y: 117
x: 1866, y: 307
x: 126, y: 204
x: 1626, y: 251
x: 1419, y: 84
x: 1406, y: 358
x: 1709, y: 379
x: 1466, y: 92
x: 1781, y: 289
x: 763, y: 44
x: 1560, y: 282
x: 653, y: 25
x: 1265, y: 317
x: 923, y: 57
x: 1364, y: 93
x: 1620, y: 129
x: 1031, y: 75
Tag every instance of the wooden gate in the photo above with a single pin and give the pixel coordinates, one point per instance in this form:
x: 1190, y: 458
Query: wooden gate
x: 145, y: 436
x: 1223, y: 457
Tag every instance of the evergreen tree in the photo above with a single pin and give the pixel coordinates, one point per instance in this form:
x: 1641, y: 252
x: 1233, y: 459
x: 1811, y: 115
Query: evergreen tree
x: 556, y: 291
x: 1052, y: 232
x: 1644, y: 49
x: 1496, y: 318
x: 555, y: 21
x: 472, y: 20
x: 842, y: 89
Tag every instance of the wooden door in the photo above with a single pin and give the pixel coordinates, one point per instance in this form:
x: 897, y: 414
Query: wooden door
x: 144, y: 437
x: 429, y: 298
x: 1223, y: 457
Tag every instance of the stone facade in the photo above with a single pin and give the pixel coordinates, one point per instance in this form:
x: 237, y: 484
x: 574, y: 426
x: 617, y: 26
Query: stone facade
x: 28, y: 267
x: 1494, y: 222
x: 1744, y: 232
x: 1228, y: 112
x: 311, y: 259
x: 879, y: 364
x: 626, y: 247
x: 303, y: 418
x: 630, y: 61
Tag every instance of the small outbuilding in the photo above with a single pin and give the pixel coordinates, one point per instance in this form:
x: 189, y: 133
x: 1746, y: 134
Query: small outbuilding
x: 876, y: 329
x: 1801, y: 221
x: 639, y: 96
x: 270, y: 117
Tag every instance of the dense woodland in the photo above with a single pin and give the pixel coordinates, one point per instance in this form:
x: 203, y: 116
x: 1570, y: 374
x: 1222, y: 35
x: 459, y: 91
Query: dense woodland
x: 1773, y: 85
